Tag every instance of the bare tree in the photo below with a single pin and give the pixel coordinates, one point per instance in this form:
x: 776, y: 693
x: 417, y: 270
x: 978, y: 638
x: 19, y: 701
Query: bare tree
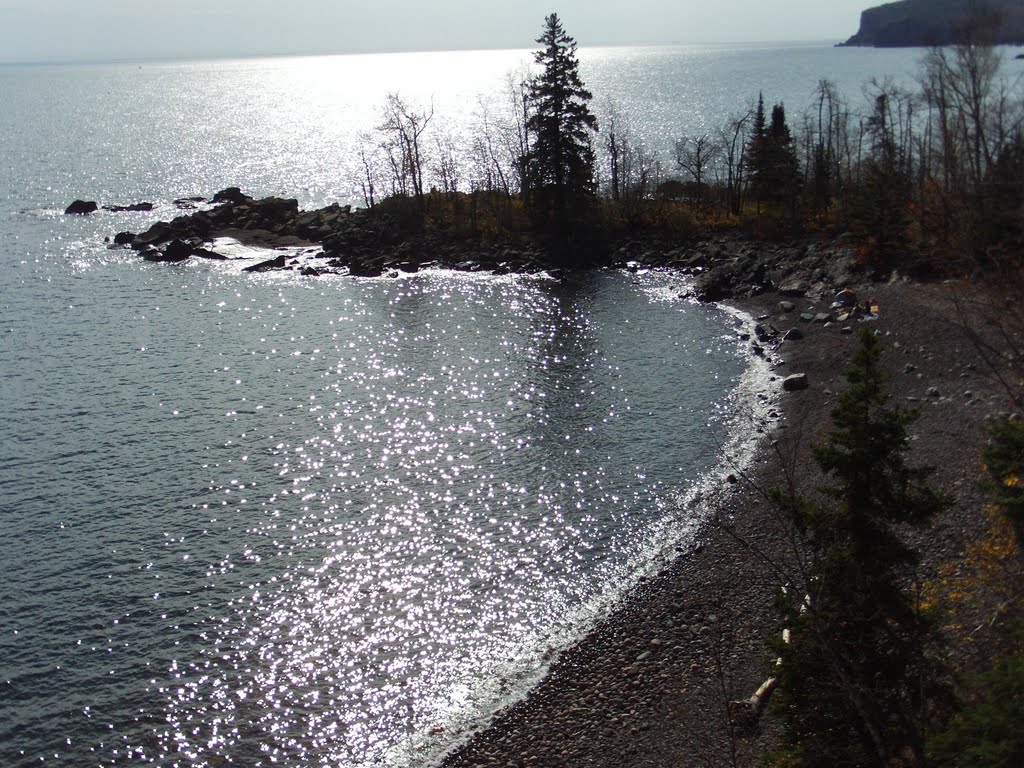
x: 445, y: 168
x: 973, y: 142
x: 732, y: 143
x: 403, y: 128
x: 827, y: 146
x: 613, y: 142
x: 694, y: 155
x: 369, y: 156
x: 491, y: 167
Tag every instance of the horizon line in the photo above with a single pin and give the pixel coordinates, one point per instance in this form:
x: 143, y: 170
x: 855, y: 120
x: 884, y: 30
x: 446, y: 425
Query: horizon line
x: 391, y: 52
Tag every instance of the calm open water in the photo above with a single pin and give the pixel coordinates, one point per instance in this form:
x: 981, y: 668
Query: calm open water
x: 261, y: 519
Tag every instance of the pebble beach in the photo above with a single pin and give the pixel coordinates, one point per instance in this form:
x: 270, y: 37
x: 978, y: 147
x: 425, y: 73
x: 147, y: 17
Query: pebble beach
x: 652, y: 684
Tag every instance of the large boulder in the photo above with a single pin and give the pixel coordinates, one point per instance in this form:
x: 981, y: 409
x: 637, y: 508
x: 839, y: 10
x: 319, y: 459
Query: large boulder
x: 846, y: 298
x: 81, y: 208
x: 795, y: 383
x: 276, y: 209
x: 175, y: 251
x: 160, y: 232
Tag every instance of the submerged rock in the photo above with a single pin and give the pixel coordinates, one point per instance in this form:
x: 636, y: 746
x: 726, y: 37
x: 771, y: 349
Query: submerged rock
x: 132, y: 207
x: 265, y: 266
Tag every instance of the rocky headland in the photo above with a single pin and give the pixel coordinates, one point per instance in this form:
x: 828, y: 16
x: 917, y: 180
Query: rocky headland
x: 359, y: 242
x: 912, y: 23
x: 336, y: 239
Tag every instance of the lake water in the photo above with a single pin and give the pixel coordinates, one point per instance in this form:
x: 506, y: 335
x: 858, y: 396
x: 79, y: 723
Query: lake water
x: 262, y: 519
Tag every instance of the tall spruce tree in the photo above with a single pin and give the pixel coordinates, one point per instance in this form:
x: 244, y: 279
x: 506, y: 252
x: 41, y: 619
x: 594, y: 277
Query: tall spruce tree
x: 757, y: 151
x: 774, y: 170
x: 857, y: 684
x: 560, y: 160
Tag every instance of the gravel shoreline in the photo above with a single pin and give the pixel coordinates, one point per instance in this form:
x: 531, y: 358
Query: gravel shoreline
x: 650, y: 685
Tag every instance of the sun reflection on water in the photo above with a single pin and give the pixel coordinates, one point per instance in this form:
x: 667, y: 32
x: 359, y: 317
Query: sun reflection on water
x: 440, y: 496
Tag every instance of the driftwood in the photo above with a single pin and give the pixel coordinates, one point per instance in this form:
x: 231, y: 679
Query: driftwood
x: 745, y: 713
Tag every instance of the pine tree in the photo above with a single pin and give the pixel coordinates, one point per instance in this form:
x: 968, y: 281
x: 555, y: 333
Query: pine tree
x: 774, y: 171
x: 757, y: 152
x: 560, y: 161
x: 856, y: 680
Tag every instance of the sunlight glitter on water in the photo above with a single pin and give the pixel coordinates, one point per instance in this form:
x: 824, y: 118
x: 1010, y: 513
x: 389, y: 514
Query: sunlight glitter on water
x: 430, y: 524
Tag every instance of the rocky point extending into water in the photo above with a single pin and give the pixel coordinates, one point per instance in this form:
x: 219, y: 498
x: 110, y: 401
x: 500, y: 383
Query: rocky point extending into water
x: 339, y: 239
x: 336, y: 239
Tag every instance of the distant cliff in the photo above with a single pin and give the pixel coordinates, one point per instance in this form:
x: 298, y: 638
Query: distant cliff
x: 938, y: 22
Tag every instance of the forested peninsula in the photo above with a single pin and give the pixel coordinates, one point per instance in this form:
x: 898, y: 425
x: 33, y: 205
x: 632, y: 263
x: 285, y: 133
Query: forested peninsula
x: 939, y: 22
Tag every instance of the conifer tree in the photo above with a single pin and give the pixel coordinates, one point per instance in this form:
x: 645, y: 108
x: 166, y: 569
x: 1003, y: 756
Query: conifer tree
x: 856, y: 680
x: 774, y: 171
x: 560, y: 160
x: 757, y: 152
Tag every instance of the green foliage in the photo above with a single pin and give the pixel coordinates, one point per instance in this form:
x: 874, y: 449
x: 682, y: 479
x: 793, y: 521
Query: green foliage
x: 1004, y: 460
x: 988, y: 733
x: 773, y: 168
x: 560, y: 161
x: 856, y: 678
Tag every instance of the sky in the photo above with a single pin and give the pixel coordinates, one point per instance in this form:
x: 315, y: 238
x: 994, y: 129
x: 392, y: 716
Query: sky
x: 103, y: 30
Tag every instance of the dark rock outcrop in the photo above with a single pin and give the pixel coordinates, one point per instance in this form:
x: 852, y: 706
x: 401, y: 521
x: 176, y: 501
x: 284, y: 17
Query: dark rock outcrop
x: 939, y: 22
x: 132, y: 207
x: 81, y: 208
x: 231, y: 195
x: 279, y: 262
x: 174, y: 252
x: 177, y: 250
x: 362, y: 243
